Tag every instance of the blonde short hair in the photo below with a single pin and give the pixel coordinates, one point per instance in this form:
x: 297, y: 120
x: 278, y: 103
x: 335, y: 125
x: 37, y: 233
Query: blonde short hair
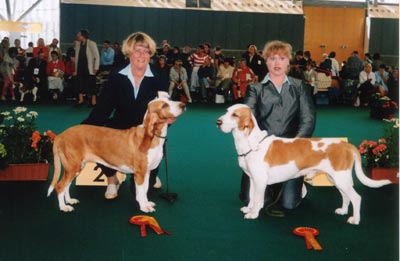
x: 138, y: 39
x: 277, y: 47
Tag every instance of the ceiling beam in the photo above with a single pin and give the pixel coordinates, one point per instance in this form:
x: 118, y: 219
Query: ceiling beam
x: 29, y: 9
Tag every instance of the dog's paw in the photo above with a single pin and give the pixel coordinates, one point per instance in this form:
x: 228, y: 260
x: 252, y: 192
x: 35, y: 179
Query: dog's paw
x: 245, y: 210
x: 151, y: 204
x: 353, y: 221
x: 67, y: 208
x: 341, y: 211
x: 72, y: 201
x: 251, y: 215
x: 148, y: 209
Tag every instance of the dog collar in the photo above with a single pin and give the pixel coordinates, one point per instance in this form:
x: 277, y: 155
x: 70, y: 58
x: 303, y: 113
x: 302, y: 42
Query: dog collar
x: 161, y: 137
x: 247, y: 153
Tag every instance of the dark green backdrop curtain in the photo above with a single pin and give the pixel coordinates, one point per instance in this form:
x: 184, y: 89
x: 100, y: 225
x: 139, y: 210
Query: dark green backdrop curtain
x: 230, y: 30
x: 384, y: 36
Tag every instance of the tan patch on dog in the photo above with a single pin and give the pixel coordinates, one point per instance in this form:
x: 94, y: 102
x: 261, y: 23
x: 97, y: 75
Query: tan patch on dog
x: 300, y: 151
x: 340, y: 155
x: 245, y: 119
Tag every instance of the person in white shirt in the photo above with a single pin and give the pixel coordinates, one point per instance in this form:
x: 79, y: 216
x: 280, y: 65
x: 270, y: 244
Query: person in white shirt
x: 335, y: 64
x: 224, y: 77
x: 367, y: 85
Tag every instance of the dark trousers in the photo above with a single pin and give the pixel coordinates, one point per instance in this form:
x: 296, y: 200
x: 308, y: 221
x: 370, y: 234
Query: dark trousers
x: 291, y: 191
x: 111, y: 172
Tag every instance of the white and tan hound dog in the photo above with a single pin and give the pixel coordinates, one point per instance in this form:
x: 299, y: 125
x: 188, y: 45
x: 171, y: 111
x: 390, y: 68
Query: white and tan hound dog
x: 136, y: 150
x: 270, y: 159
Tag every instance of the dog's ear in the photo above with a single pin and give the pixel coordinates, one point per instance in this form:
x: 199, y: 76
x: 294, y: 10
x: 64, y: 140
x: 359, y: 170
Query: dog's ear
x: 246, y: 122
x: 149, y: 127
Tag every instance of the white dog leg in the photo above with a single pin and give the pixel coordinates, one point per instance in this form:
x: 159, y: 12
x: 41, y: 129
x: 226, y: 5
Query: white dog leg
x: 250, y: 205
x: 22, y: 96
x: 34, y: 93
x: 141, y: 195
x: 345, y: 204
x: 258, y: 198
x: 68, y: 198
x: 61, y: 203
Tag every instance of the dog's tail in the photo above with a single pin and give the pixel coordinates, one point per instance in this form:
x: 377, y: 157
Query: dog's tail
x: 57, y: 167
x: 361, y: 175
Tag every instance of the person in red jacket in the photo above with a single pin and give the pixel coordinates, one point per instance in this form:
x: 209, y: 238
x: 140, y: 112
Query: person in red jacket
x: 55, y: 75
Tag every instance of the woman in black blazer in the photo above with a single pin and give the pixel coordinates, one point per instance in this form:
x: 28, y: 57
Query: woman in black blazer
x: 123, y: 101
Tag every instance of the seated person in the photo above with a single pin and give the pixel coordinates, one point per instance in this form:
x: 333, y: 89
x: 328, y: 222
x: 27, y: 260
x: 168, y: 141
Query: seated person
x: 224, y: 77
x: 295, y: 70
x: 241, y: 78
x: 326, y: 63
x: 35, y: 76
x: 178, y: 79
x: 206, y: 76
x: 366, y: 86
x: 55, y: 74
x: 382, y: 77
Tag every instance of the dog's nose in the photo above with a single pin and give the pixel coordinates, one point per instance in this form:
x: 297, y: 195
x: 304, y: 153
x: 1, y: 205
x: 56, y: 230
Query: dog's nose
x: 218, y: 122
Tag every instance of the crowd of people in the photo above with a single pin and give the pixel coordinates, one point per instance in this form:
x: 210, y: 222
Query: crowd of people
x: 44, y: 72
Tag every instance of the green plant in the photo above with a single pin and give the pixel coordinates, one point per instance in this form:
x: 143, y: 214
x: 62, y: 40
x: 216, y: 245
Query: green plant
x: 383, y: 153
x: 20, y: 142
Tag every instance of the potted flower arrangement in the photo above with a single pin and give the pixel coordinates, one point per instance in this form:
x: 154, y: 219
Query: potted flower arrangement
x: 23, y: 149
x: 382, y: 156
x: 382, y: 107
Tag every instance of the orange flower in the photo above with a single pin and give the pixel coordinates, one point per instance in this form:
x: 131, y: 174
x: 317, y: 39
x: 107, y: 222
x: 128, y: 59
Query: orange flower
x: 35, y: 139
x: 51, y: 135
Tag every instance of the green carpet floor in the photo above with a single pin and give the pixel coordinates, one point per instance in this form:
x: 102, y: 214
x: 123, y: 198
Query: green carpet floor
x: 205, y: 221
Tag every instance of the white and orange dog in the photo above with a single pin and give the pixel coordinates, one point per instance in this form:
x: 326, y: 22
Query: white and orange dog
x: 136, y: 150
x: 270, y: 159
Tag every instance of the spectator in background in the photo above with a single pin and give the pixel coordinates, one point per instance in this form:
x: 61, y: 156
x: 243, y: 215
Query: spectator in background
x: 223, y: 80
x: 41, y: 48
x: 326, y: 63
x: 176, y: 54
x: 87, y: 61
x: 168, y: 54
x: 295, y: 70
x: 8, y: 66
x: 218, y: 57
x: 207, y: 49
x: 119, y: 58
x: 393, y: 85
x: 21, y: 51
x: 367, y: 58
x: 354, y: 66
x: 382, y: 78
x: 367, y: 81
x: 376, y: 62
x: 306, y: 58
x: 69, y: 78
x: 299, y: 59
x: 106, y: 56
x: 29, y: 52
x: 206, y: 75
x: 35, y: 76
x: 310, y: 76
x: 55, y: 71
x: 242, y: 77
x: 54, y: 47
x: 335, y: 64
x: 178, y: 79
x: 255, y: 62
x: 196, y: 60
x: 163, y: 71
